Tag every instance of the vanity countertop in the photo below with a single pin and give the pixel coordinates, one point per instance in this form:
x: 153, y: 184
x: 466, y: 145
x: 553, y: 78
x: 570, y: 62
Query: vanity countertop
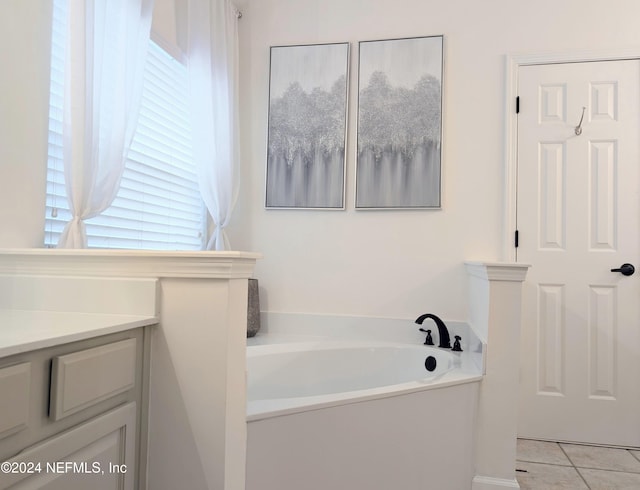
x: 28, y: 330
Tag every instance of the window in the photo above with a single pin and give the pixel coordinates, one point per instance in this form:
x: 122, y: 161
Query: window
x: 158, y: 205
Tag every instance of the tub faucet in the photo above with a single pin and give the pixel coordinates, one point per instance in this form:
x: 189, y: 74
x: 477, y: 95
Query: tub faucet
x: 445, y: 340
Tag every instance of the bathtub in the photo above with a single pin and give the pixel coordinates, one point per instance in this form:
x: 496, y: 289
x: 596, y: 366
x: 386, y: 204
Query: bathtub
x: 297, y: 376
x: 348, y: 414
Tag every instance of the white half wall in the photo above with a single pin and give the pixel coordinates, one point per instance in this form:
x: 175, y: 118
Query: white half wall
x: 495, y: 291
x: 197, y: 391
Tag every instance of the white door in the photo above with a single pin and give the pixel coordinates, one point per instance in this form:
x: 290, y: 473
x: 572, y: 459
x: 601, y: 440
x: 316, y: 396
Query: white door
x: 578, y: 217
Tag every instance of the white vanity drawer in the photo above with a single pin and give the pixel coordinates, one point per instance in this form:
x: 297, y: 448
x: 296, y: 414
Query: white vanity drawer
x: 15, y: 389
x: 84, y: 378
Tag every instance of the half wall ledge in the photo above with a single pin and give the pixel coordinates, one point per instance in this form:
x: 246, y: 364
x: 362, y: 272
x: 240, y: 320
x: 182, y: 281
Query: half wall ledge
x: 128, y: 263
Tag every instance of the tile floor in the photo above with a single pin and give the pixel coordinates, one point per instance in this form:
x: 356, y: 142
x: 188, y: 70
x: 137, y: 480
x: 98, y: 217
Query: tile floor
x: 545, y: 465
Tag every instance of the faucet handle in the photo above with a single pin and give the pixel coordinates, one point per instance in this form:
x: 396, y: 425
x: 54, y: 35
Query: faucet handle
x: 456, y: 344
x: 429, y: 340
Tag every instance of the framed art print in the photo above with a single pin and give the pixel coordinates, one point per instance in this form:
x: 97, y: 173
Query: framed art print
x: 399, y: 149
x: 307, y: 126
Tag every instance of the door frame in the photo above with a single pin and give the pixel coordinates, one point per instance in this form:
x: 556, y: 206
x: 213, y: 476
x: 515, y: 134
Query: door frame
x: 513, y: 63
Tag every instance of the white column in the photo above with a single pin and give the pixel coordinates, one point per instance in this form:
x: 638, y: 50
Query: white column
x: 495, y: 314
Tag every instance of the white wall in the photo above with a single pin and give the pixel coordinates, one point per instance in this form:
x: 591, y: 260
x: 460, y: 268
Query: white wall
x: 395, y: 263
x: 25, y: 33
x: 401, y: 263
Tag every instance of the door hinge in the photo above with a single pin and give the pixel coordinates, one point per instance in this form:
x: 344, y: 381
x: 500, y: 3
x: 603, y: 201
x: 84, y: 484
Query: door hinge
x: 516, y: 238
x: 518, y: 104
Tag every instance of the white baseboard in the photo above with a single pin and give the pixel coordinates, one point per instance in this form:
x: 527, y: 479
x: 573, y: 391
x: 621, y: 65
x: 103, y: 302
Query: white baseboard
x: 490, y: 483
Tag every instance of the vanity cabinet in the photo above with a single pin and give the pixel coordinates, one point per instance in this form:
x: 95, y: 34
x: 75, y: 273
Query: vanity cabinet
x: 72, y: 414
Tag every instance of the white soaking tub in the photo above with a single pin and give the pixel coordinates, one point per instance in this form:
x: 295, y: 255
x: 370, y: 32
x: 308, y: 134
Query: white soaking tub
x: 291, y: 377
x: 359, y: 415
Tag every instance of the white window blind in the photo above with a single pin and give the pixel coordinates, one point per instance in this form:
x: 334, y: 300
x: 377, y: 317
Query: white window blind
x: 158, y: 205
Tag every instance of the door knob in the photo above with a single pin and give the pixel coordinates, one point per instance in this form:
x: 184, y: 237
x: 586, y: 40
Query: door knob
x: 625, y: 270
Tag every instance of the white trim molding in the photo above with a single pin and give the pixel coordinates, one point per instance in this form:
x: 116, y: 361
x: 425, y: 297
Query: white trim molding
x: 497, y: 271
x: 490, y: 483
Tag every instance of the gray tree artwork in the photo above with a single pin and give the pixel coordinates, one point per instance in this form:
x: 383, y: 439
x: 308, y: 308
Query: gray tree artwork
x: 399, y: 123
x: 307, y: 126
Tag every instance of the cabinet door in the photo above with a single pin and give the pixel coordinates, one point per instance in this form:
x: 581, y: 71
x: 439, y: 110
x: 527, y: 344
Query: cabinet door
x: 99, y: 454
x: 15, y: 387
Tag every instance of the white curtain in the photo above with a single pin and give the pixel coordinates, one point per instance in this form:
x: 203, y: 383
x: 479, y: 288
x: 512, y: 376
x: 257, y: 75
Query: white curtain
x: 107, y: 42
x: 213, y: 77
